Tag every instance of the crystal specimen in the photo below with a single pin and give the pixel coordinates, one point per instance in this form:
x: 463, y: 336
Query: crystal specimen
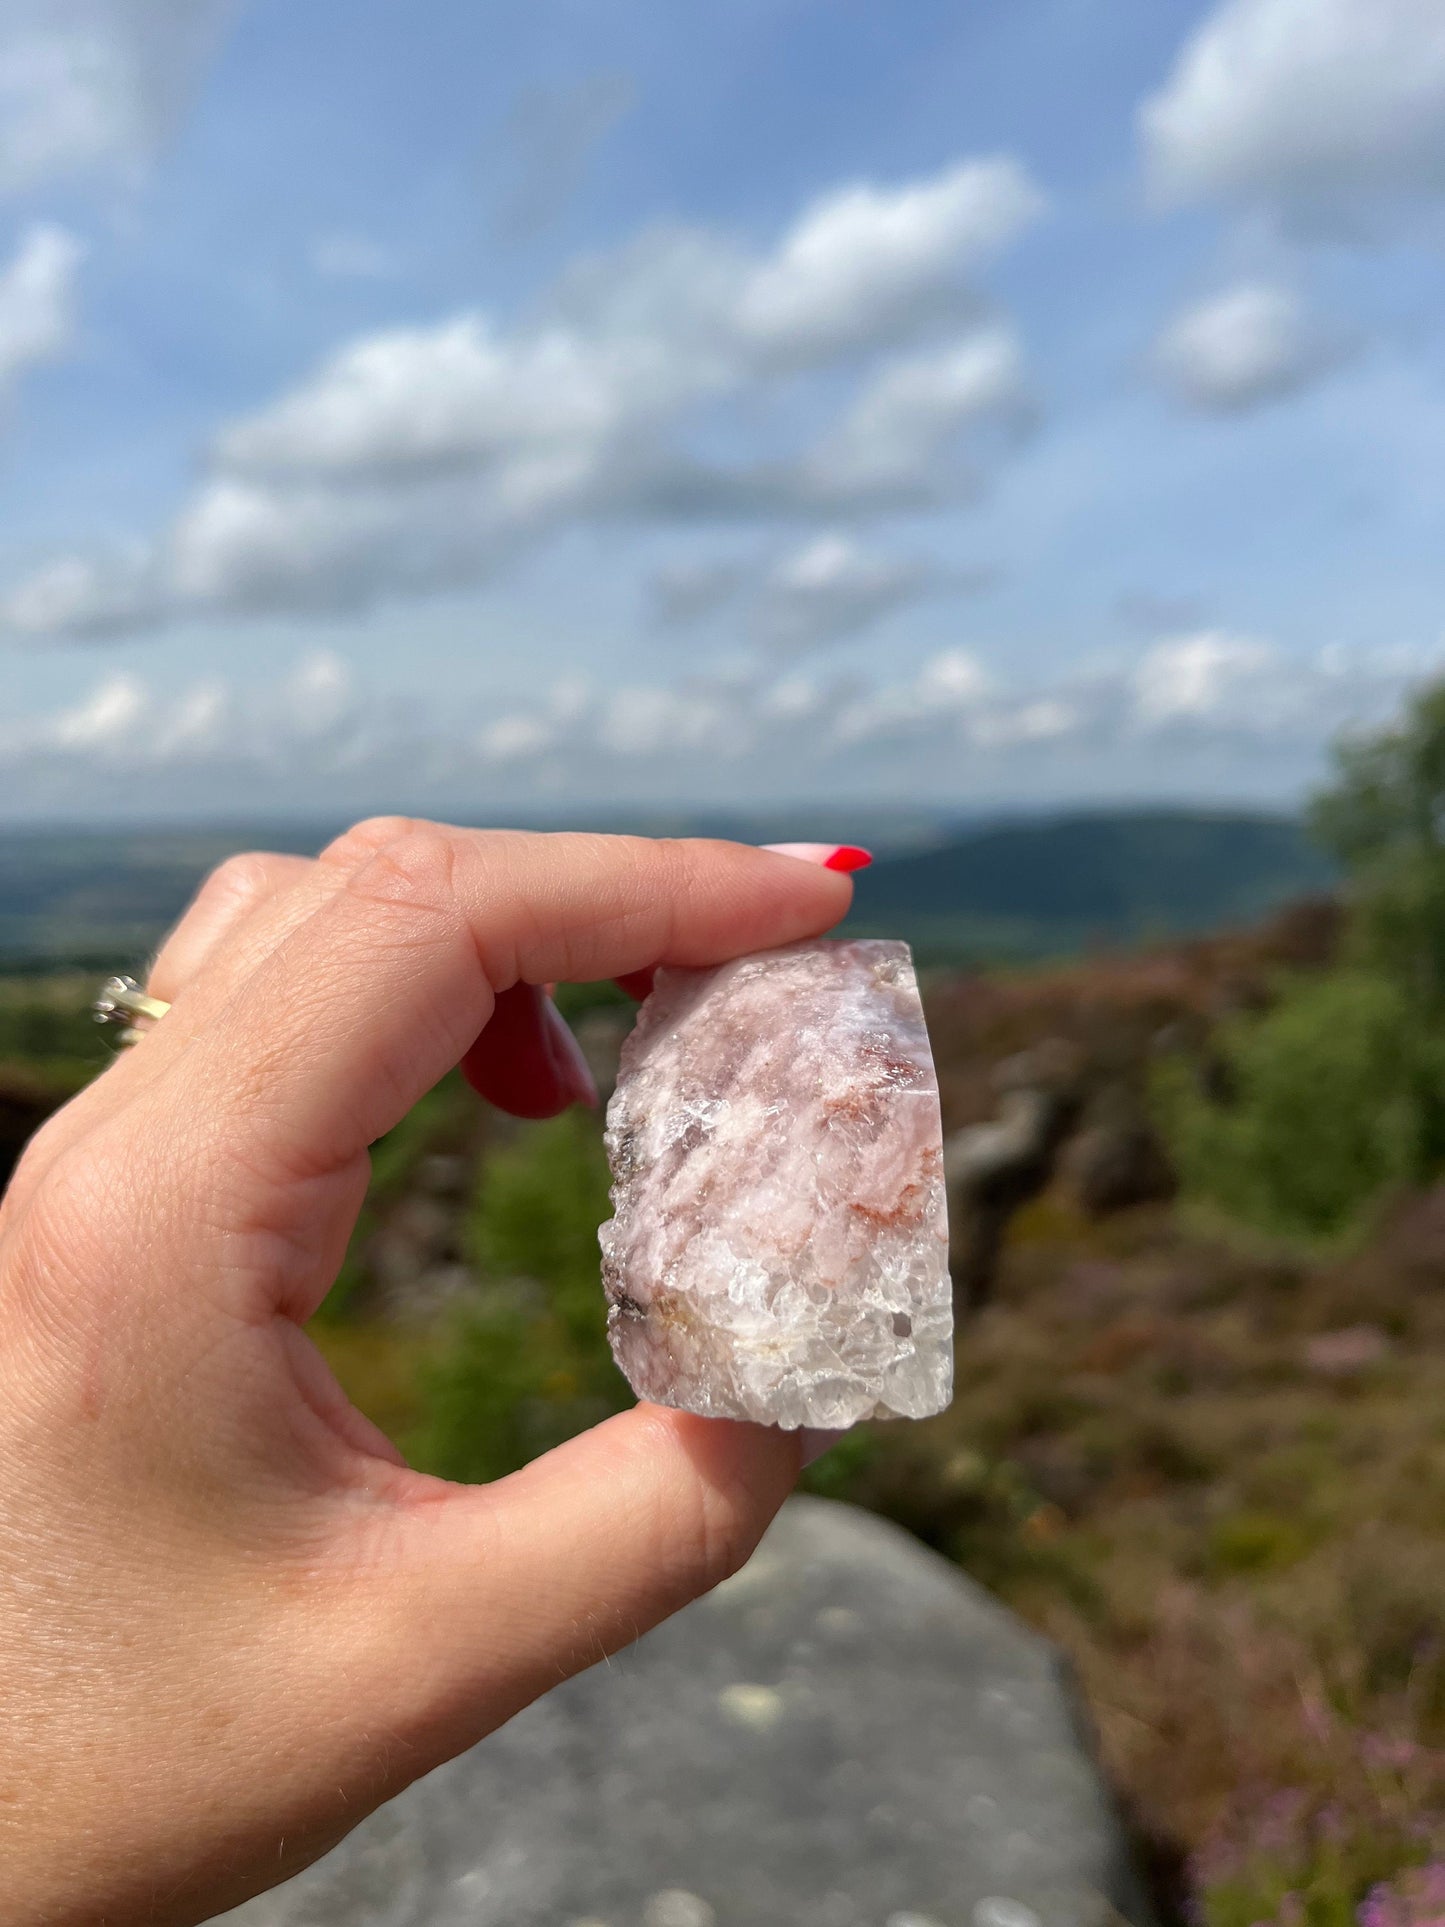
x: 780, y: 1245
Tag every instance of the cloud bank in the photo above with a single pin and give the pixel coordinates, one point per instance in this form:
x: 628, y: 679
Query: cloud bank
x: 423, y: 459
x: 1206, y: 704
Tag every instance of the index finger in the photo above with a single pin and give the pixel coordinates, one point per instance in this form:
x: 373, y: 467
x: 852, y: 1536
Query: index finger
x: 366, y: 1005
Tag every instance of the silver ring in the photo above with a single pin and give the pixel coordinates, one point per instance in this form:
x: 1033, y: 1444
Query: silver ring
x: 122, y: 1001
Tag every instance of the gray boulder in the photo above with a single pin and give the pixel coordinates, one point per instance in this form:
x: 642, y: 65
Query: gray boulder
x: 847, y: 1734
x: 992, y: 1170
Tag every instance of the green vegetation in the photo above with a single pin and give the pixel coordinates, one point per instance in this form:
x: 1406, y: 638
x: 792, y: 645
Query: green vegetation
x: 104, y: 900
x: 525, y: 1365
x: 1237, y: 1544
x: 1329, y: 1108
x: 1384, y: 818
x: 1336, y: 1096
x: 1035, y: 889
x: 1211, y: 1467
x: 46, y: 1028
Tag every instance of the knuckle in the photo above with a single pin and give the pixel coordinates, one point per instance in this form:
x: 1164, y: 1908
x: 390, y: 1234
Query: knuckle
x: 364, y: 839
x: 241, y: 880
x: 415, y: 867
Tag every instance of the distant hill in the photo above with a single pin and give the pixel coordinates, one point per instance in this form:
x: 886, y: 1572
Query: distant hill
x: 1063, y: 883
x: 1019, y: 889
x: 93, y: 897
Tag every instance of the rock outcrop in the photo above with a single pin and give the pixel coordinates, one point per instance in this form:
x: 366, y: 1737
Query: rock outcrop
x: 847, y: 1734
x: 994, y: 1169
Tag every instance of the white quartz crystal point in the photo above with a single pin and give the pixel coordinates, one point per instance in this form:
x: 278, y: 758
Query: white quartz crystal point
x: 780, y: 1245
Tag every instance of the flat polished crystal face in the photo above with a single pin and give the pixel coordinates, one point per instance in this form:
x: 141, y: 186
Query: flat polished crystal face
x: 780, y: 1245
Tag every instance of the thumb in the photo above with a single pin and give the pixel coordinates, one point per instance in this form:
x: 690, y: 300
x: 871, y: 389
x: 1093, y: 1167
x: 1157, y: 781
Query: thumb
x: 498, y: 1593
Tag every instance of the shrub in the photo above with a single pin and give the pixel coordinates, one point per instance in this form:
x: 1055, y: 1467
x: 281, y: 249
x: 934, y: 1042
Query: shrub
x: 1301, y: 1864
x: 525, y: 1364
x: 1289, y: 1859
x: 1329, y: 1104
x: 1383, y: 818
x: 1415, y: 1900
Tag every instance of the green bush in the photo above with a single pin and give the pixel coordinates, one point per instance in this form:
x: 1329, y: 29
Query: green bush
x: 1383, y: 819
x: 526, y: 1364
x: 1332, y: 1101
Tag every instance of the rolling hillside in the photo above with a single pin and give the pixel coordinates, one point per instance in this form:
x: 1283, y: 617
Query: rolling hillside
x: 1019, y: 889
x: 1063, y: 883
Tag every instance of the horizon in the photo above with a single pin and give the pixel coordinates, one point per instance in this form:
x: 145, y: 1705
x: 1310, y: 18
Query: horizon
x: 908, y: 822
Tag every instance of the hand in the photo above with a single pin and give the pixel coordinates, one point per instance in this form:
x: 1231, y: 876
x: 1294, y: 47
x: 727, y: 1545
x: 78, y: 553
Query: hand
x: 231, y: 1620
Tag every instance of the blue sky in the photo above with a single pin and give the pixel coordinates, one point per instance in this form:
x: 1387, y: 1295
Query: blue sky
x: 534, y: 406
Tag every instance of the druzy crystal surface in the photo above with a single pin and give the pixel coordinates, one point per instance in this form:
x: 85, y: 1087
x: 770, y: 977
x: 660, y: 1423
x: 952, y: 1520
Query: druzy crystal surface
x: 780, y: 1245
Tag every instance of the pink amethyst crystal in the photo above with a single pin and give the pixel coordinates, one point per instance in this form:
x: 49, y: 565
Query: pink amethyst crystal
x: 780, y: 1245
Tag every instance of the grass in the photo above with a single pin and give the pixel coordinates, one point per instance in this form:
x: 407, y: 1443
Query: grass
x: 1242, y: 1556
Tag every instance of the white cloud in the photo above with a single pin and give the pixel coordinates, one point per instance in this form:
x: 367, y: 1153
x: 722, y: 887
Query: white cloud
x: 834, y: 587
x: 37, y: 301
x: 319, y: 694
x: 1199, y: 677
x: 666, y: 323
x: 1323, y: 109
x: 78, y: 596
x: 105, y: 720
x: 516, y: 739
x: 94, y: 86
x: 829, y: 588
x: 866, y: 266
x: 1236, y: 350
x: 124, y: 724
x: 918, y: 406
x: 1188, y: 707
x: 645, y: 723
x: 422, y: 458
x: 195, y: 725
x: 462, y: 393
x: 1015, y: 725
x: 952, y: 679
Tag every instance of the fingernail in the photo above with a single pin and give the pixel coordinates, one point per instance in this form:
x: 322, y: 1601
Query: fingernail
x: 638, y: 983
x: 828, y: 856
x: 573, y: 1070
x: 816, y: 1443
x: 847, y: 857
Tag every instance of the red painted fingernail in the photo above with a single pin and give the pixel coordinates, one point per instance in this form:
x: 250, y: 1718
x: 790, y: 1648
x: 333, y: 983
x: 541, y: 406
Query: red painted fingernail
x: 848, y: 857
x: 828, y: 856
x: 638, y: 983
x: 573, y: 1070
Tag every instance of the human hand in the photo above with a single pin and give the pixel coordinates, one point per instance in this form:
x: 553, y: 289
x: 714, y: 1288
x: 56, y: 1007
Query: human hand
x: 231, y: 1620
